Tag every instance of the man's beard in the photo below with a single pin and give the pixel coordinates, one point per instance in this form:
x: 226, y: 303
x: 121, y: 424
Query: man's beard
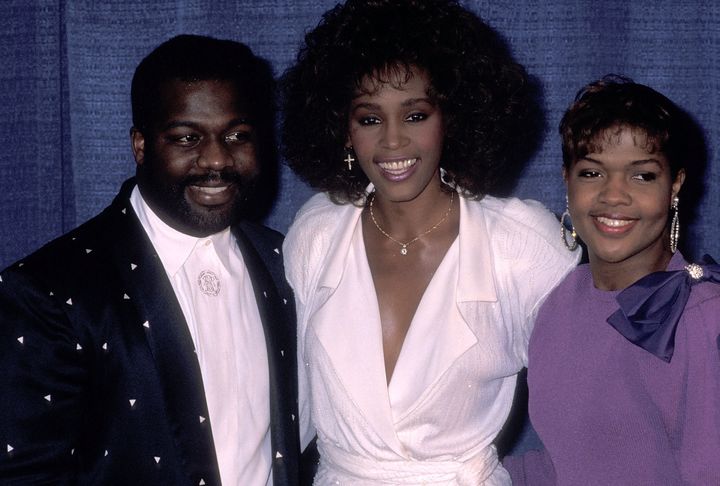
x: 211, y: 221
x: 170, y: 200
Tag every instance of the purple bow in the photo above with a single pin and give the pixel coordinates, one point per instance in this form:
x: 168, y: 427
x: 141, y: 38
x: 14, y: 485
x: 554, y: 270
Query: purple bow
x: 650, y: 309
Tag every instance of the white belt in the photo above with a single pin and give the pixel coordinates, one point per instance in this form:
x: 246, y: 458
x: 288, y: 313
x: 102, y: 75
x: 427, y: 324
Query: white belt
x: 473, y: 471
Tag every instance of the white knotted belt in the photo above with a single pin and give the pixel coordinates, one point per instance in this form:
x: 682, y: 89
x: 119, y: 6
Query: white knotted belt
x: 473, y: 471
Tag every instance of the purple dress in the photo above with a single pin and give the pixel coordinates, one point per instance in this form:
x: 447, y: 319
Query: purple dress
x: 609, y: 412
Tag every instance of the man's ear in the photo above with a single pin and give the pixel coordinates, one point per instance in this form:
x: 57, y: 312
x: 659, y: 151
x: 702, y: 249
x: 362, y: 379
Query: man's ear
x: 137, y: 141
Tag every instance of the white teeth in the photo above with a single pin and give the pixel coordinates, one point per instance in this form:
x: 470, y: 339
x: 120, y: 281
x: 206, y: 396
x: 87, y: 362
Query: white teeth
x: 210, y: 190
x: 614, y: 223
x: 397, y: 166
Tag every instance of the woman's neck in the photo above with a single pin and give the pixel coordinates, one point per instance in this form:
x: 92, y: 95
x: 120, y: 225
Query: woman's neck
x: 405, y: 220
x: 620, y: 275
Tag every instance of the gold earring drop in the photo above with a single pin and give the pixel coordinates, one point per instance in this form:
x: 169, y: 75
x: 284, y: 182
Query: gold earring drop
x: 572, y: 244
x: 675, y: 225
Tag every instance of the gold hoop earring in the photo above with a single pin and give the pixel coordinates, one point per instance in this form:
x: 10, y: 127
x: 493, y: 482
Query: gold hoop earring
x: 573, y: 244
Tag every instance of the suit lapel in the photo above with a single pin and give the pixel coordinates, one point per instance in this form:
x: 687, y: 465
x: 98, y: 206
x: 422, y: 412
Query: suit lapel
x: 161, y: 320
x: 275, y: 304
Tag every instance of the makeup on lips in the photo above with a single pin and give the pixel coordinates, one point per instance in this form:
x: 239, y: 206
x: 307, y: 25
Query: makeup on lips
x: 397, y: 169
x: 612, y: 224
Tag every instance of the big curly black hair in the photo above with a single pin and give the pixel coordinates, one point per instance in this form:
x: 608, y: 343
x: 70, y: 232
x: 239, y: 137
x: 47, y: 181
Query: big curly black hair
x: 480, y: 89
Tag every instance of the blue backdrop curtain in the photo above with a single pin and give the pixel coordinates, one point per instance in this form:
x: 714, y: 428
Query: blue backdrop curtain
x: 65, y: 110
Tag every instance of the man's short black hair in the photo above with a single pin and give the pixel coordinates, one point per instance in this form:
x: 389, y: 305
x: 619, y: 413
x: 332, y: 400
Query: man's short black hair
x: 199, y: 58
x: 195, y: 58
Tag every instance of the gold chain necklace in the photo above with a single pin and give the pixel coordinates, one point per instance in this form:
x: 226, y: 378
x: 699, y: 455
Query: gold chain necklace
x: 403, y: 249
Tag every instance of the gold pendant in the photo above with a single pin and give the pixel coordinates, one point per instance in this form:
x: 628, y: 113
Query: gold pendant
x: 403, y: 250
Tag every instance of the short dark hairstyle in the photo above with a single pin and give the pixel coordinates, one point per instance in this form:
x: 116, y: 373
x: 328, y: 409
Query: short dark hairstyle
x: 194, y: 58
x: 480, y: 90
x: 198, y: 58
x: 616, y: 102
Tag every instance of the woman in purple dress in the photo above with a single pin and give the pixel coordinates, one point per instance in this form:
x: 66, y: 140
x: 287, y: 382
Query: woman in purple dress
x: 624, y: 360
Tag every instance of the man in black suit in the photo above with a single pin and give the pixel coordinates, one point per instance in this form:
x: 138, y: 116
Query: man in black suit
x: 155, y: 344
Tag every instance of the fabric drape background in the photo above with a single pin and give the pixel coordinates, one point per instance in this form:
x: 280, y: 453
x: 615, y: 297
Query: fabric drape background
x: 65, y: 84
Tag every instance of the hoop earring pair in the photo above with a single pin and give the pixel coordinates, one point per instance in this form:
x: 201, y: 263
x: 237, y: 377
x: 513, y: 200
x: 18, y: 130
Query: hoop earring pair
x: 349, y: 157
x: 675, y: 225
x: 572, y: 244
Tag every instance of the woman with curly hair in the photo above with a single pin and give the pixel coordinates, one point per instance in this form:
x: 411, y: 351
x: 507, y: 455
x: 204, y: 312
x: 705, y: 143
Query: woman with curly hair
x: 416, y: 288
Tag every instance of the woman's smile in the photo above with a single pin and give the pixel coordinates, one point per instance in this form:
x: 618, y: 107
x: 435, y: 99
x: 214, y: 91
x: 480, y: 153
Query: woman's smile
x: 397, y: 170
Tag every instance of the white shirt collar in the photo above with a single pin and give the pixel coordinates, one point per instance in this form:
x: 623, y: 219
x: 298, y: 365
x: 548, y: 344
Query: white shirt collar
x: 174, y: 247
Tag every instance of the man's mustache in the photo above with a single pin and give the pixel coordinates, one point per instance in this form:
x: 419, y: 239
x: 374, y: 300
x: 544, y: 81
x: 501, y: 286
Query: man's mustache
x: 214, y: 177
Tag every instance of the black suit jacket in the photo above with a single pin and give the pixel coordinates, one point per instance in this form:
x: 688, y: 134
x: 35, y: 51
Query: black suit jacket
x: 99, y: 383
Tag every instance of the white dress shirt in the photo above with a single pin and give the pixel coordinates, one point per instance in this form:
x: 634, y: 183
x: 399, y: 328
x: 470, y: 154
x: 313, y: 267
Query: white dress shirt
x: 228, y: 337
